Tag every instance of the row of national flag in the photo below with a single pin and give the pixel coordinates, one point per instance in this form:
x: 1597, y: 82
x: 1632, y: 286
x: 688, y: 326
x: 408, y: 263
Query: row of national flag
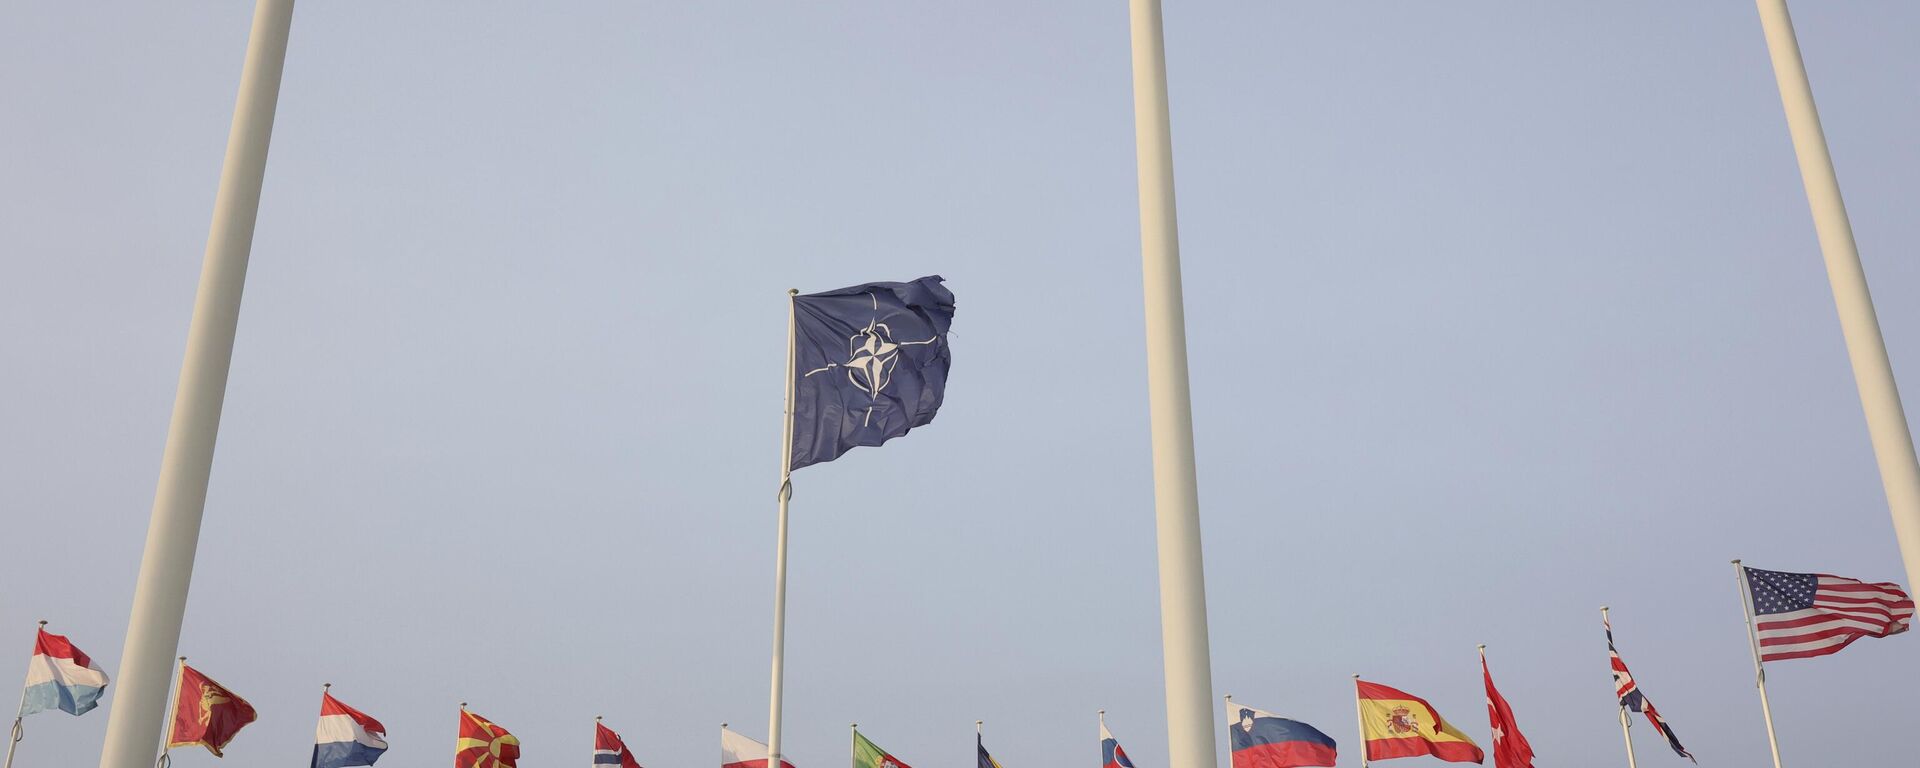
x: 1794, y: 615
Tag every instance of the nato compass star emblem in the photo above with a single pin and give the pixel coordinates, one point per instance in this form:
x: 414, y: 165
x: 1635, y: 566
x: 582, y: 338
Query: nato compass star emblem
x: 872, y: 354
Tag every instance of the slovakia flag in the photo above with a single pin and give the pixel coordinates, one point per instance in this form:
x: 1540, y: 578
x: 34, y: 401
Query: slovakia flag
x: 1263, y: 740
x: 346, y: 736
x: 1111, y: 755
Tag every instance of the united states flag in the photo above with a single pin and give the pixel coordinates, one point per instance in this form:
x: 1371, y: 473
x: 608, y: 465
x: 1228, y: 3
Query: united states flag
x: 1797, y: 615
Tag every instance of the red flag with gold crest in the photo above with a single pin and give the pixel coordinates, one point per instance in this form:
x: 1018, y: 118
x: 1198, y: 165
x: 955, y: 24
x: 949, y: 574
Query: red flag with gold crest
x: 205, y: 713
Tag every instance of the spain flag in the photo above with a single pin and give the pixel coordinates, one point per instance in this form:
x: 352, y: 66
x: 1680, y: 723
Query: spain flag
x: 483, y: 744
x: 1399, y: 724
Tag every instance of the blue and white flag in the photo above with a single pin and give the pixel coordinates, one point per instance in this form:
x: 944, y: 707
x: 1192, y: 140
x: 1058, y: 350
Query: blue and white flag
x: 870, y: 363
x: 346, y: 736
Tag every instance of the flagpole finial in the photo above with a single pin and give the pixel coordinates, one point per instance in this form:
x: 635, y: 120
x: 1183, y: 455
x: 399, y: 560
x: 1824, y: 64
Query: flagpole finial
x: 596, y: 718
x: 324, y: 686
x: 793, y: 291
x: 1736, y: 561
x: 183, y: 659
x: 463, y: 706
x: 1483, y: 649
x: 723, y: 725
x: 43, y: 622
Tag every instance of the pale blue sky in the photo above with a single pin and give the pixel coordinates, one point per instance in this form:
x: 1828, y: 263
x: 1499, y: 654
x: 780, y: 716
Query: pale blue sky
x: 1498, y: 312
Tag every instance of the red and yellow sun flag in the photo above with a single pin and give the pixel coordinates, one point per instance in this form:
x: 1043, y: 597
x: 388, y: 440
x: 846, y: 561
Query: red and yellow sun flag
x: 205, y: 713
x: 1400, y: 724
x: 483, y: 744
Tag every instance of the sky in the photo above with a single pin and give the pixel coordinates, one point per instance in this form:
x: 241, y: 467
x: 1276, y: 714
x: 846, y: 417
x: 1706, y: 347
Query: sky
x: 1497, y: 312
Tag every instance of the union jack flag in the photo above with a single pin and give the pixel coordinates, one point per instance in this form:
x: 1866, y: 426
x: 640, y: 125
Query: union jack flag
x: 1633, y: 700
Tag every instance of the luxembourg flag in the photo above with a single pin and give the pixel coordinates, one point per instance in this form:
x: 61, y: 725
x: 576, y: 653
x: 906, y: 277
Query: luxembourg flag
x: 60, y: 676
x: 346, y: 736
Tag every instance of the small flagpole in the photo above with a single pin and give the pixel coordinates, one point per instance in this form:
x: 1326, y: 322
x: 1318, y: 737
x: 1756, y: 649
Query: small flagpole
x: 1229, y: 700
x: 1625, y: 722
x: 780, y: 554
x: 1360, y: 720
x: 976, y: 730
x: 19, y: 732
x: 1759, y: 669
x: 1859, y: 325
x: 173, y: 707
x: 853, y: 744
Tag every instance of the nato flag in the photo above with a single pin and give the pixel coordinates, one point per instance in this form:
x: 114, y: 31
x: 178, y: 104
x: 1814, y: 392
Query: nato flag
x: 869, y: 363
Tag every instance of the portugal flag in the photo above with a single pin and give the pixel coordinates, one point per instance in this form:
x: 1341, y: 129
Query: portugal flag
x: 867, y: 754
x: 483, y: 744
x: 1400, y: 724
x: 205, y: 713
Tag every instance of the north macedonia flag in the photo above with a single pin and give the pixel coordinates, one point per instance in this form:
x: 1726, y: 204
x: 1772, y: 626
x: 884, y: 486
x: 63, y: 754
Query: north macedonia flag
x: 1400, y: 724
x: 483, y: 744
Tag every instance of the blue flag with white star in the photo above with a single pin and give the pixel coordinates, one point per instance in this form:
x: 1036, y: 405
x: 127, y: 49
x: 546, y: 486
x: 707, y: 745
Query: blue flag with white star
x: 869, y: 363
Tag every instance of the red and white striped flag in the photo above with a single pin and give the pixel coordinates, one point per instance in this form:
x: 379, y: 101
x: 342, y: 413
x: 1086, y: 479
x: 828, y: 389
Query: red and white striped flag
x: 1797, y: 615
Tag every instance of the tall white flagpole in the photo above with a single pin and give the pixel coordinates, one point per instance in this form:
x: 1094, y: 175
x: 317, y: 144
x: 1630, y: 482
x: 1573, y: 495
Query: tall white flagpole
x: 780, y: 555
x: 1625, y: 724
x: 1759, y: 669
x: 1183, y: 594
x: 1872, y: 370
x: 173, y: 533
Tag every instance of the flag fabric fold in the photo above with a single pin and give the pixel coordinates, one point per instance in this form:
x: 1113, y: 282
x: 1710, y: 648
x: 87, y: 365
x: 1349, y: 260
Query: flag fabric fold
x: 737, y: 751
x: 1510, y: 747
x: 1111, y: 755
x: 1399, y: 724
x: 206, y: 714
x: 609, y: 749
x: 62, y: 677
x: 1259, y: 739
x: 483, y: 744
x: 980, y: 748
x: 346, y: 736
x: 869, y: 363
x: 867, y: 754
x: 1634, y: 701
x: 1801, y: 615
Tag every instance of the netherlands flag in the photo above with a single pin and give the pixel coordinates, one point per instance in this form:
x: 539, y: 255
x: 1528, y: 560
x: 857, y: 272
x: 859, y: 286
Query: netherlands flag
x: 1264, y: 740
x: 346, y: 736
x: 61, y: 677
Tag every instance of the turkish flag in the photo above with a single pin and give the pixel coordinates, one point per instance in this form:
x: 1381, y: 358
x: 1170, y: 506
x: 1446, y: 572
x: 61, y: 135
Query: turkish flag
x: 1510, y: 748
x: 206, y: 713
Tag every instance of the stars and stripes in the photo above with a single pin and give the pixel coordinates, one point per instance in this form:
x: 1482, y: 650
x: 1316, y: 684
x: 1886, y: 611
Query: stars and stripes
x: 1797, y: 615
x: 1633, y: 700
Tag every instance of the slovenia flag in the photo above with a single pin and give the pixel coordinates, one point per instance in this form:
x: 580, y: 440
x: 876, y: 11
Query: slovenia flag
x: 61, y: 677
x: 346, y: 736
